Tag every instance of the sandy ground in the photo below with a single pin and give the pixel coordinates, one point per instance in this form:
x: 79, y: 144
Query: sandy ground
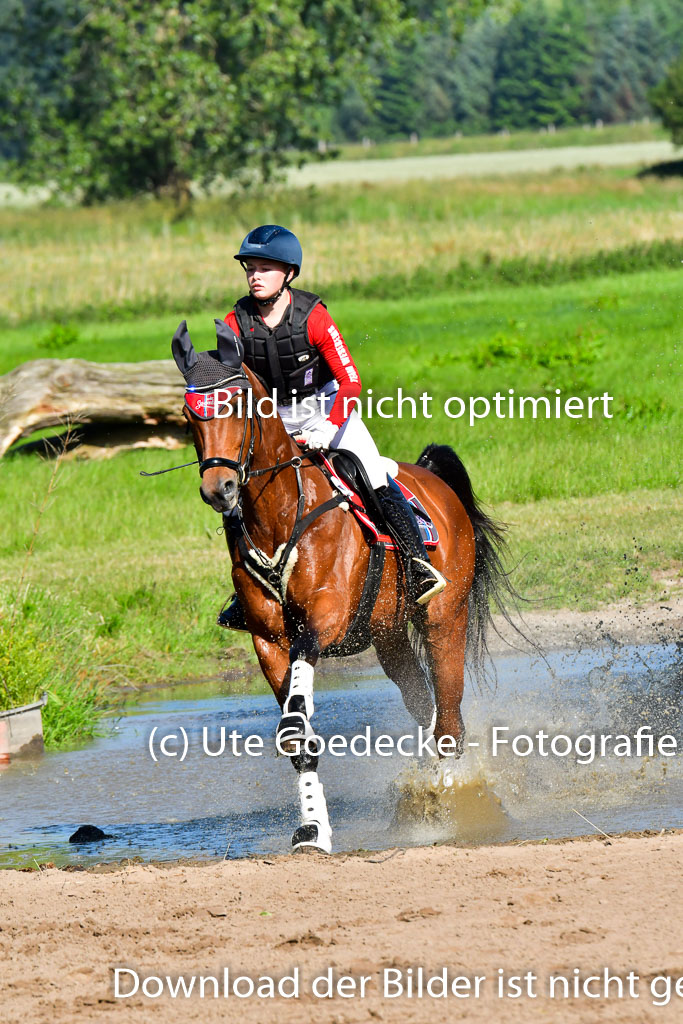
x: 544, y: 909
x: 567, y: 629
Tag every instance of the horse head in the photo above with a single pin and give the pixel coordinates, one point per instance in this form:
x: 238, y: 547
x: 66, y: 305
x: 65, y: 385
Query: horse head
x: 217, y: 408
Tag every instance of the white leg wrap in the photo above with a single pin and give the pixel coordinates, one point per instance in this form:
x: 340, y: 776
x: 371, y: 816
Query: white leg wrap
x: 314, y: 809
x: 301, y: 685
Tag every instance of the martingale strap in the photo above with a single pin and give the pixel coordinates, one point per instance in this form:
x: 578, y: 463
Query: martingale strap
x: 274, y: 572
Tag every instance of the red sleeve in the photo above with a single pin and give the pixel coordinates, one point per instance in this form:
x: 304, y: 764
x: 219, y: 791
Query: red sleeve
x: 231, y: 321
x: 326, y: 336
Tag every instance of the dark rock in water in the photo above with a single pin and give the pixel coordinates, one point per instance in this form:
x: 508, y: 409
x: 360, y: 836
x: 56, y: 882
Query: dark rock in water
x: 88, y: 834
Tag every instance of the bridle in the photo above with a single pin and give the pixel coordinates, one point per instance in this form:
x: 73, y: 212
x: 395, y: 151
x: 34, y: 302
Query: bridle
x: 241, y: 465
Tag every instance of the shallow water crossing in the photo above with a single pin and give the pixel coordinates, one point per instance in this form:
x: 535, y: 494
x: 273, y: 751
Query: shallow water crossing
x: 201, y: 779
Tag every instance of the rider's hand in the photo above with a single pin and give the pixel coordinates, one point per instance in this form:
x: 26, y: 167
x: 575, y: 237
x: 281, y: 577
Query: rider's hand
x: 317, y: 437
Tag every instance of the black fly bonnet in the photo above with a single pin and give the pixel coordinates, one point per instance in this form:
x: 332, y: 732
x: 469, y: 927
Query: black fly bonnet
x: 209, y: 372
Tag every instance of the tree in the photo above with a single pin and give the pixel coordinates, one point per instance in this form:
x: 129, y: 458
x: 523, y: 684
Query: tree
x: 148, y: 95
x: 539, y: 65
x: 616, y: 88
x: 35, y: 37
x: 667, y: 100
x: 398, y: 109
x: 474, y: 74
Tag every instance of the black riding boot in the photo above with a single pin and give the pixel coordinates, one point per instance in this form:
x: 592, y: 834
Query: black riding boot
x: 425, y: 579
x: 231, y: 615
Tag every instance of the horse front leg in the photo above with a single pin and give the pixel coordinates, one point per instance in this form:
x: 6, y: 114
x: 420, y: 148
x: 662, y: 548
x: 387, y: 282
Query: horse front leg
x: 293, y: 730
x: 297, y: 710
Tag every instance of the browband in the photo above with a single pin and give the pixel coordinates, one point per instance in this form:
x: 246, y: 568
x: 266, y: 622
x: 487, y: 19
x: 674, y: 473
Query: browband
x: 207, y: 401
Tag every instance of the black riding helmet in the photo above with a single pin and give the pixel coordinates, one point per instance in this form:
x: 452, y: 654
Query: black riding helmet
x: 272, y: 242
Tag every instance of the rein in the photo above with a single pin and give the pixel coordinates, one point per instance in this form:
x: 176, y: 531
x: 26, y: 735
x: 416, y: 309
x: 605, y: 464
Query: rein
x: 219, y: 461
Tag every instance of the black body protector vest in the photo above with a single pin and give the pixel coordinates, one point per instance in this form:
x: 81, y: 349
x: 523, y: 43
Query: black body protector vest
x: 283, y: 357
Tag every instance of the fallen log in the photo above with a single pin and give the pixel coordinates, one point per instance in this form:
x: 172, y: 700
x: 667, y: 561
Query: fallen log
x: 50, y: 392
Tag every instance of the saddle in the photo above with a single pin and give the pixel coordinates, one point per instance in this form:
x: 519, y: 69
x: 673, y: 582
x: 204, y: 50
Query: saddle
x: 347, y: 475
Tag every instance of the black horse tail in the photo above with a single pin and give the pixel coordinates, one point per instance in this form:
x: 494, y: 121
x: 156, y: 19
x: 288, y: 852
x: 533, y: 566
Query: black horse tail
x: 491, y: 584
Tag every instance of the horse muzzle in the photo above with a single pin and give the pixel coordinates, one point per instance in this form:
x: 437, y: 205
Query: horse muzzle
x: 221, y: 495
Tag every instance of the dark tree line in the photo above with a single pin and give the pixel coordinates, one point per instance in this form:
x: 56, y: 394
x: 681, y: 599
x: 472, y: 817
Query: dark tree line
x: 546, y: 64
x: 111, y: 98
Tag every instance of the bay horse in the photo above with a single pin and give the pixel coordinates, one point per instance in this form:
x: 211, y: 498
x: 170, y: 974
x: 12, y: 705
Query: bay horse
x: 300, y: 562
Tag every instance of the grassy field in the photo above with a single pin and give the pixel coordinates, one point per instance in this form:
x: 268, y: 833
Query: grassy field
x: 588, y: 135
x: 145, y: 258
x: 126, y: 575
x: 127, y: 583
x: 615, y: 335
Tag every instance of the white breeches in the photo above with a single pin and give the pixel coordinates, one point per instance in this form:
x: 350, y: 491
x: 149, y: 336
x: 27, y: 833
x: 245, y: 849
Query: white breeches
x: 353, y: 435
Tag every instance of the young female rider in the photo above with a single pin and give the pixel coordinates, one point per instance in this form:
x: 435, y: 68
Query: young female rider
x: 292, y: 343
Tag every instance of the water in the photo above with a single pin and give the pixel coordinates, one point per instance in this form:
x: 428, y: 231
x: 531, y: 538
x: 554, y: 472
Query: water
x: 212, y: 807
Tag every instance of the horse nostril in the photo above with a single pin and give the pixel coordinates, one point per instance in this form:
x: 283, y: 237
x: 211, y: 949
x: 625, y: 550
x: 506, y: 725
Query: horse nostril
x: 229, y: 488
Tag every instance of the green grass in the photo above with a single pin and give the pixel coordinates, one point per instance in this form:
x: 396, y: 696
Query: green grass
x: 578, y: 136
x: 617, y: 335
x: 127, y: 574
x: 131, y: 259
x: 138, y: 577
x: 43, y: 652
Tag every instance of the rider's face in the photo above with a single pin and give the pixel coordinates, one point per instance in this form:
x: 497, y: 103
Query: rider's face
x: 265, y: 277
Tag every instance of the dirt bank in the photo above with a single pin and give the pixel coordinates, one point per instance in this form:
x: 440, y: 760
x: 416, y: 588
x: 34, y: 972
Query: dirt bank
x: 545, y: 909
x: 659, y: 622
x: 625, y: 623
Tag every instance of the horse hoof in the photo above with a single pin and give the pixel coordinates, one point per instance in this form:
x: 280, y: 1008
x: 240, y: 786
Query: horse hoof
x: 309, y: 838
x: 443, y: 773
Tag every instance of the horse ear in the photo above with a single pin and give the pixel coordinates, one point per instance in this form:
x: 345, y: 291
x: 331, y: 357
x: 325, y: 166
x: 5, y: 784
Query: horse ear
x: 230, y: 347
x: 183, y: 350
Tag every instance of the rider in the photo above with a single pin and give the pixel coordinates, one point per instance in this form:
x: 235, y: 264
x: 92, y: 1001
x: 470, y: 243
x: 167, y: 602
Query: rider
x: 293, y: 344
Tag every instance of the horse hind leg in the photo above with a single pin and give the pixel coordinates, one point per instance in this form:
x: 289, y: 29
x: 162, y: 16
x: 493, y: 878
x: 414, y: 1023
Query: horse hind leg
x: 399, y: 660
x: 446, y: 641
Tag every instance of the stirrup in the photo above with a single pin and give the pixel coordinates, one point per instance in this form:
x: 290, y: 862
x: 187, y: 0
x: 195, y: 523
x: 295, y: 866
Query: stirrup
x: 231, y: 615
x: 431, y: 578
